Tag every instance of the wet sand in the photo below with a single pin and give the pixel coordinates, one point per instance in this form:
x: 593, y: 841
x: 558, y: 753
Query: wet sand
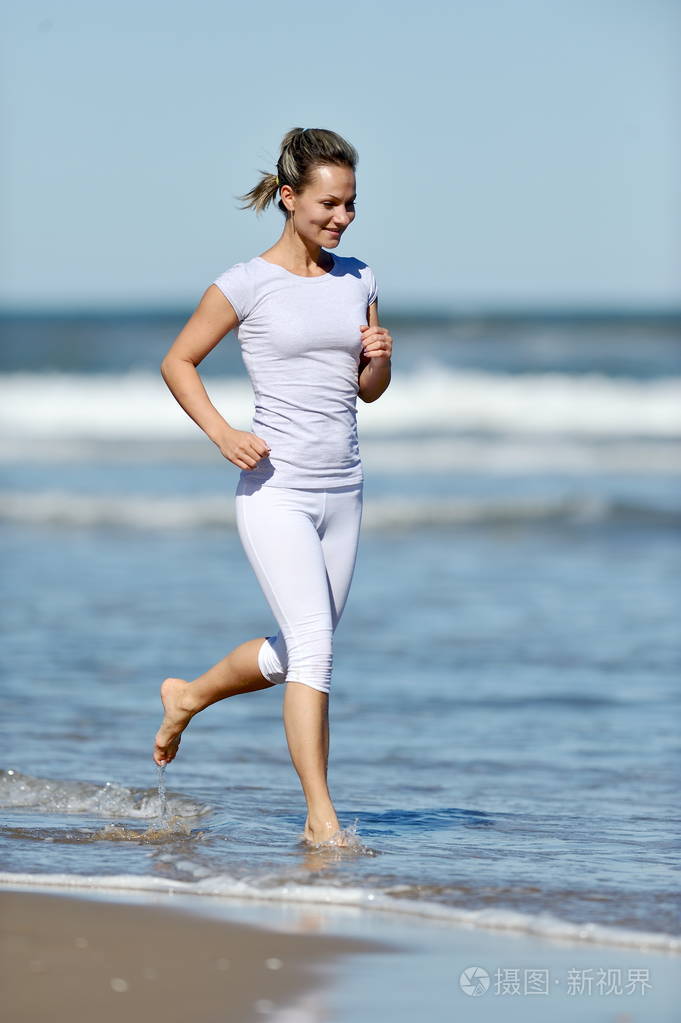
x: 66, y: 958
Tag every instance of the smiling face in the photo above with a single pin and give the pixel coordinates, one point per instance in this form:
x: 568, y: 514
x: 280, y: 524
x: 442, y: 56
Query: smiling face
x: 326, y: 207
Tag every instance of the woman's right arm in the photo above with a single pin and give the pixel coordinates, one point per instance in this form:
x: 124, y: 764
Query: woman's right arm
x: 212, y: 319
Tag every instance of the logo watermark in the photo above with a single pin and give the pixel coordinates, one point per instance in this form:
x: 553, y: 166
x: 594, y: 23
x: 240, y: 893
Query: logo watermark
x: 474, y: 981
x: 600, y: 981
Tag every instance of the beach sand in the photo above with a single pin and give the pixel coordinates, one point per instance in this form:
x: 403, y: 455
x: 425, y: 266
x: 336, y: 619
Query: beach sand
x: 66, y: 958
x: 140, y: 956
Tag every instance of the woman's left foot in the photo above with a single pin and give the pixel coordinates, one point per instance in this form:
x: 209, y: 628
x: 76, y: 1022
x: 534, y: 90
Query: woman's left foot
x: 175, y: 719
x: 327, y: 833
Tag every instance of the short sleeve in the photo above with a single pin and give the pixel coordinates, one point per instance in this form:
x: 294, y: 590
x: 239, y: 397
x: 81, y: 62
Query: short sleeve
x: 373, y: 287
x: 237, y: 287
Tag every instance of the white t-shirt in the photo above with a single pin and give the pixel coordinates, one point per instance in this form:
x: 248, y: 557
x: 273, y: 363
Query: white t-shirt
x: 300, y: 342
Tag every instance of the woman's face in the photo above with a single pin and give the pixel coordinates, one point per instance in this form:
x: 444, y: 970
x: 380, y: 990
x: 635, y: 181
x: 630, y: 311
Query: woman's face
x: 326, y: 207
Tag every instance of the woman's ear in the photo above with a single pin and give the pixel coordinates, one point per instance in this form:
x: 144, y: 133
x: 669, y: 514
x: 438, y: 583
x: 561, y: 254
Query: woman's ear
x: 287, y: 196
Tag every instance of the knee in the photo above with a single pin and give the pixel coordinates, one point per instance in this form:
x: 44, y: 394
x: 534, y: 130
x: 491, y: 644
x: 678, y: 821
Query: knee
x: 305, y: 657
x: 313, y: 670
x: 310, y: 657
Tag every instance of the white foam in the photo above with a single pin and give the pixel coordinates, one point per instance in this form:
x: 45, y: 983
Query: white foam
x: 138, y: 405
x: 541, y: 925
x: 63, y: 508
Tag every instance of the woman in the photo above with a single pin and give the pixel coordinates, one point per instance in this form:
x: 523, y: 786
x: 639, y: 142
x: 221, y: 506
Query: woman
x: 311, y: 342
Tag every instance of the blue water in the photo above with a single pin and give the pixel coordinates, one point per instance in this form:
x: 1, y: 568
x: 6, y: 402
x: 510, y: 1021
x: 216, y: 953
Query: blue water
x: 505, y: 703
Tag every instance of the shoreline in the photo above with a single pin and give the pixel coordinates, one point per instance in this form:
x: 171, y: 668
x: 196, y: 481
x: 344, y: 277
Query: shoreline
x: 500, y: 922
x: 95, y: 954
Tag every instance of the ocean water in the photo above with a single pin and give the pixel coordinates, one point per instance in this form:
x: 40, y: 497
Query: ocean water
x: 506, y: 697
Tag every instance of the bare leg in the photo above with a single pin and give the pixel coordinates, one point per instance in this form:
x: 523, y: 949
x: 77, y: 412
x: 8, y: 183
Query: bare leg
x: 236, y: 673
x: 306, y: 720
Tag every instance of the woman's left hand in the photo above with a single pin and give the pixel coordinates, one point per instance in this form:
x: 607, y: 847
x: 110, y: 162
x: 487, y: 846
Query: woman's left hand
x: 376, y: 342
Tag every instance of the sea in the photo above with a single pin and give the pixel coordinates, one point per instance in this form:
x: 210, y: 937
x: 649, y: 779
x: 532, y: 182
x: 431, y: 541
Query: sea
x: 505, y: 745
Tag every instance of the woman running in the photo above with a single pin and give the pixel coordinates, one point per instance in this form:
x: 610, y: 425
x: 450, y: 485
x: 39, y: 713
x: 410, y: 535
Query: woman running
x: 307, y: 325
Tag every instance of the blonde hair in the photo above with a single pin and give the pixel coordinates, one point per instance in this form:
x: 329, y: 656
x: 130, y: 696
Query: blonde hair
x: 302, y: 150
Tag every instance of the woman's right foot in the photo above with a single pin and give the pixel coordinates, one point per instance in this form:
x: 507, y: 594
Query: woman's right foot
x: 176, y: 718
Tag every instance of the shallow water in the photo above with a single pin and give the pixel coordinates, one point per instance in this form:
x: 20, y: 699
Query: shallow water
x: 504, y: 737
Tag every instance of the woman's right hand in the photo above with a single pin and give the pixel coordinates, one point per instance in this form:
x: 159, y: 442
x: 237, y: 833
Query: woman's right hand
x: 242, y: 448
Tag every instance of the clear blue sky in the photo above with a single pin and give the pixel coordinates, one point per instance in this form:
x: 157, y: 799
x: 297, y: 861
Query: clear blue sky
x: 519, y: 152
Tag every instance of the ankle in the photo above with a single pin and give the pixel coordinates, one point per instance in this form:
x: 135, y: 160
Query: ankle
x: 323, y: 823
x: 189, y: 700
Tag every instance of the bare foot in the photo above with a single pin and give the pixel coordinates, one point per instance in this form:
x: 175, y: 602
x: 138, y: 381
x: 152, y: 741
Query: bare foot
x: 326, y: 832
x: 176, y: 718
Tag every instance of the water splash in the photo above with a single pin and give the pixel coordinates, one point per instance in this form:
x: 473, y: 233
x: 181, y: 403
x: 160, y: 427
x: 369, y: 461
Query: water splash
x: 167, y: 827
x: 170, y: 831
x: 162, y: 797
x: 344, y: 841
x: 67, y: 796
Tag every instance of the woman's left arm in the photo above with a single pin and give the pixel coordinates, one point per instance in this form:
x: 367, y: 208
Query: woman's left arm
x: 374, y: 361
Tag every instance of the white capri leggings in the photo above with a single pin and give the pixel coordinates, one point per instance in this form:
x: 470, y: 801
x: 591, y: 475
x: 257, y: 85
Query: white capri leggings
x: 302, y: 545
